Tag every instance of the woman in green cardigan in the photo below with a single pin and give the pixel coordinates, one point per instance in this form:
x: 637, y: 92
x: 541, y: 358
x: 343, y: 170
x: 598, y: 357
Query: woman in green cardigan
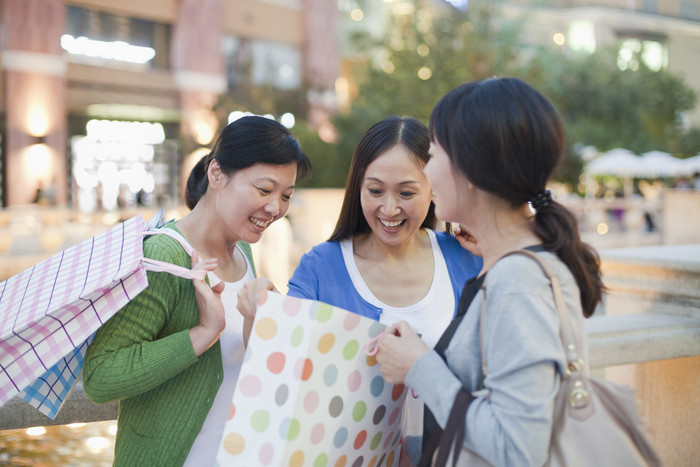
x: 171, y: 357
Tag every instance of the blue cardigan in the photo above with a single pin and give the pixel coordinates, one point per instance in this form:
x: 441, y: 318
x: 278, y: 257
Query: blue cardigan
x: 322, y: 275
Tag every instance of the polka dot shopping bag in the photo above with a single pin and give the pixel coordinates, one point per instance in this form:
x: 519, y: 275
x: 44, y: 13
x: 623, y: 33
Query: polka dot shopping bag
x: 309, y: 395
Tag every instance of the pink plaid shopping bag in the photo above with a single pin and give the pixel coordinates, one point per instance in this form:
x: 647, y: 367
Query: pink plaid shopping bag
x: 49, y: 312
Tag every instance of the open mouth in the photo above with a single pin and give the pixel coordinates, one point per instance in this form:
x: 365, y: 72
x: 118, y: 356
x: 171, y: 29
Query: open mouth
x: 258, y: 223
x: 392, y: 225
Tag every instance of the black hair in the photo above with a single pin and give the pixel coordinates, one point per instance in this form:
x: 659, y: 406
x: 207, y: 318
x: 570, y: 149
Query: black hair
x: 381, y: 137
x: 243, y: 143
x: 507, y: 139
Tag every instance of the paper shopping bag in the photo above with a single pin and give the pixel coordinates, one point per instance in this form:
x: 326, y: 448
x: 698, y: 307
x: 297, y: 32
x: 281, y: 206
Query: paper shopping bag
x: 307, y: 393
x: 49, y: 312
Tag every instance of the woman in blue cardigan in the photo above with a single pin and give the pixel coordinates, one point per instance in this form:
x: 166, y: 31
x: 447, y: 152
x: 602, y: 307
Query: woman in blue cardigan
x: 384, y: 260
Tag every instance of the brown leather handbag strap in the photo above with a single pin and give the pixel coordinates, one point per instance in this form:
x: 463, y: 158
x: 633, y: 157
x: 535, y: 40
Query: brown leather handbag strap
x: 566, y: 331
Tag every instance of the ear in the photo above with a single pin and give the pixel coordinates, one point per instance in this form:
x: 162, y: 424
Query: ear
x: 214, y: 173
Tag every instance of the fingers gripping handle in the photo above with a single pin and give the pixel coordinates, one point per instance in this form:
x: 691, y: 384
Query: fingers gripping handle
x: 161, y: 266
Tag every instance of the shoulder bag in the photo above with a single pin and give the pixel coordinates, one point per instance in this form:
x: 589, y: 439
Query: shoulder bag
x: 595, y: 423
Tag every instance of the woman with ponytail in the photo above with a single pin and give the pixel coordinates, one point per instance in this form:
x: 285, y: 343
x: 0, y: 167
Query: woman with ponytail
x: 172, y: 356
x: 495, y: 144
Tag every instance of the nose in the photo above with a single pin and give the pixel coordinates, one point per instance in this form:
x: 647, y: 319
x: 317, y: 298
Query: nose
x: 392, y: 206
x: 272, y: 208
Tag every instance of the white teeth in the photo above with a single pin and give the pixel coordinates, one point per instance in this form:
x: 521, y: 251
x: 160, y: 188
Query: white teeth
x: 391, y: 224
x: 258, y: 223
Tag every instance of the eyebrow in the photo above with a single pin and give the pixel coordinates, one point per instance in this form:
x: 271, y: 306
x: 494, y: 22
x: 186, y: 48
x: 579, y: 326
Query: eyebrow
x: 273, y: 181
x: 407, y: 182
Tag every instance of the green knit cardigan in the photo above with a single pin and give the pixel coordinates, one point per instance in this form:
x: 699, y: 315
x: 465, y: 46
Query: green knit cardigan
x: 143, y: 357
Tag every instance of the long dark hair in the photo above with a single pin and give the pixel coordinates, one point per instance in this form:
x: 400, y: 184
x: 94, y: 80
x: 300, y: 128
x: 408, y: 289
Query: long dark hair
x: 245, y: 142
x: 381, y: 137
x: 507, y: 139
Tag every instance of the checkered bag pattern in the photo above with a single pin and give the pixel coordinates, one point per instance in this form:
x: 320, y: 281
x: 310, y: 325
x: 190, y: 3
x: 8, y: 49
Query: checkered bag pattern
x: 49, y: 312
x: 48, y: 392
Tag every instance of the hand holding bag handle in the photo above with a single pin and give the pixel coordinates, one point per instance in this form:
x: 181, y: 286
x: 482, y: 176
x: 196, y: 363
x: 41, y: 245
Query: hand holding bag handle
x: 162, y: 266
x: 595, y: 422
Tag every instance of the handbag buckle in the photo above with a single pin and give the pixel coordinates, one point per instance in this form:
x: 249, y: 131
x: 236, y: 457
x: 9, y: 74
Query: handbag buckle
x: 578, y: 398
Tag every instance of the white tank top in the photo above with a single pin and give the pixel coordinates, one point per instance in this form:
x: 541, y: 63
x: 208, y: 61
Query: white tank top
x: 206, y: 446
x: 431, y: 315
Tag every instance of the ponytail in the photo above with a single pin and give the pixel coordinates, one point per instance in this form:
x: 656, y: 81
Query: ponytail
x: 506, y: 138
x: 558, y: 230
x: 197, y: 182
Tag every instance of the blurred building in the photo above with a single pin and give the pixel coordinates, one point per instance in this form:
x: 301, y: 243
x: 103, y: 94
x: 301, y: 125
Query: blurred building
x: 103, y: 102
x: 662, y: 33
x: 145, y: 76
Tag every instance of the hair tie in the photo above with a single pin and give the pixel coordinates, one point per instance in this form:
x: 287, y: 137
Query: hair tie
x: 542, y: 200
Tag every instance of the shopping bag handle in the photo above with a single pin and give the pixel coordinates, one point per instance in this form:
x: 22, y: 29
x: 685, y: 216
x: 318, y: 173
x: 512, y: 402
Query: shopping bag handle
x: 374, y: 341
x: 162, y: 266
x: 172, y: 234
x: 372, y: 352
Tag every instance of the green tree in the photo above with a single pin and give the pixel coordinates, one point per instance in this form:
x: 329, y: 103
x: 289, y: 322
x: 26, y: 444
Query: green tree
x: 420, y: 58
x: 606, y: 107
x: 600, y: 104
x: 688, y: 144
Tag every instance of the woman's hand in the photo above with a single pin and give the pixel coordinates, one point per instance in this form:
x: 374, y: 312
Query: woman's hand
x: 212, y: 318
x: 467, y: 240
x: 398, y: 353
x: 249, y: 298
x: 250, y: 295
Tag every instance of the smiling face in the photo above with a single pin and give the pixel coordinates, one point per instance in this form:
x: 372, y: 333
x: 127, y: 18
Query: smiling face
x: 395, y: 196
x: 252, y: 198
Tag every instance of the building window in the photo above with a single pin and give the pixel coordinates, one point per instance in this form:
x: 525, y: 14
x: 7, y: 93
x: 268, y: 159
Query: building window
x: 690, y: 10
x: 100, y: 38
x: 650, y: 6
x: 122, y: 164
x: 262, y: 63
x: 653, y: 54
x: 581, y: 36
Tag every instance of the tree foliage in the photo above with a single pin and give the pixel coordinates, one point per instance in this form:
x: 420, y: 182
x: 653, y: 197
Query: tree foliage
x: 422, y: 56
x: 419, y: 59
x: 600, y: 104
x: 606, y: 107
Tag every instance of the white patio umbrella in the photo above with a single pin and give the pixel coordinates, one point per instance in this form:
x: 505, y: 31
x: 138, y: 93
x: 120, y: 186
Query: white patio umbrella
x: 687, y: 167
x: 619, y: 162
x: 656, y: 164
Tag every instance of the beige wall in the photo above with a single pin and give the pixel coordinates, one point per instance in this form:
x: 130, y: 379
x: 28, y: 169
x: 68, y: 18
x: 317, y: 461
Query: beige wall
x: 667, y: 391
x: 681, y: 217
x: 259, y: 20
x: 33, y: 86
x: 684, y: 60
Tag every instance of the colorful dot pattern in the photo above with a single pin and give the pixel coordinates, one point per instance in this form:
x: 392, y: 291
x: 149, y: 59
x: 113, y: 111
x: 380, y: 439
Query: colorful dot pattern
x: 307, y: 394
